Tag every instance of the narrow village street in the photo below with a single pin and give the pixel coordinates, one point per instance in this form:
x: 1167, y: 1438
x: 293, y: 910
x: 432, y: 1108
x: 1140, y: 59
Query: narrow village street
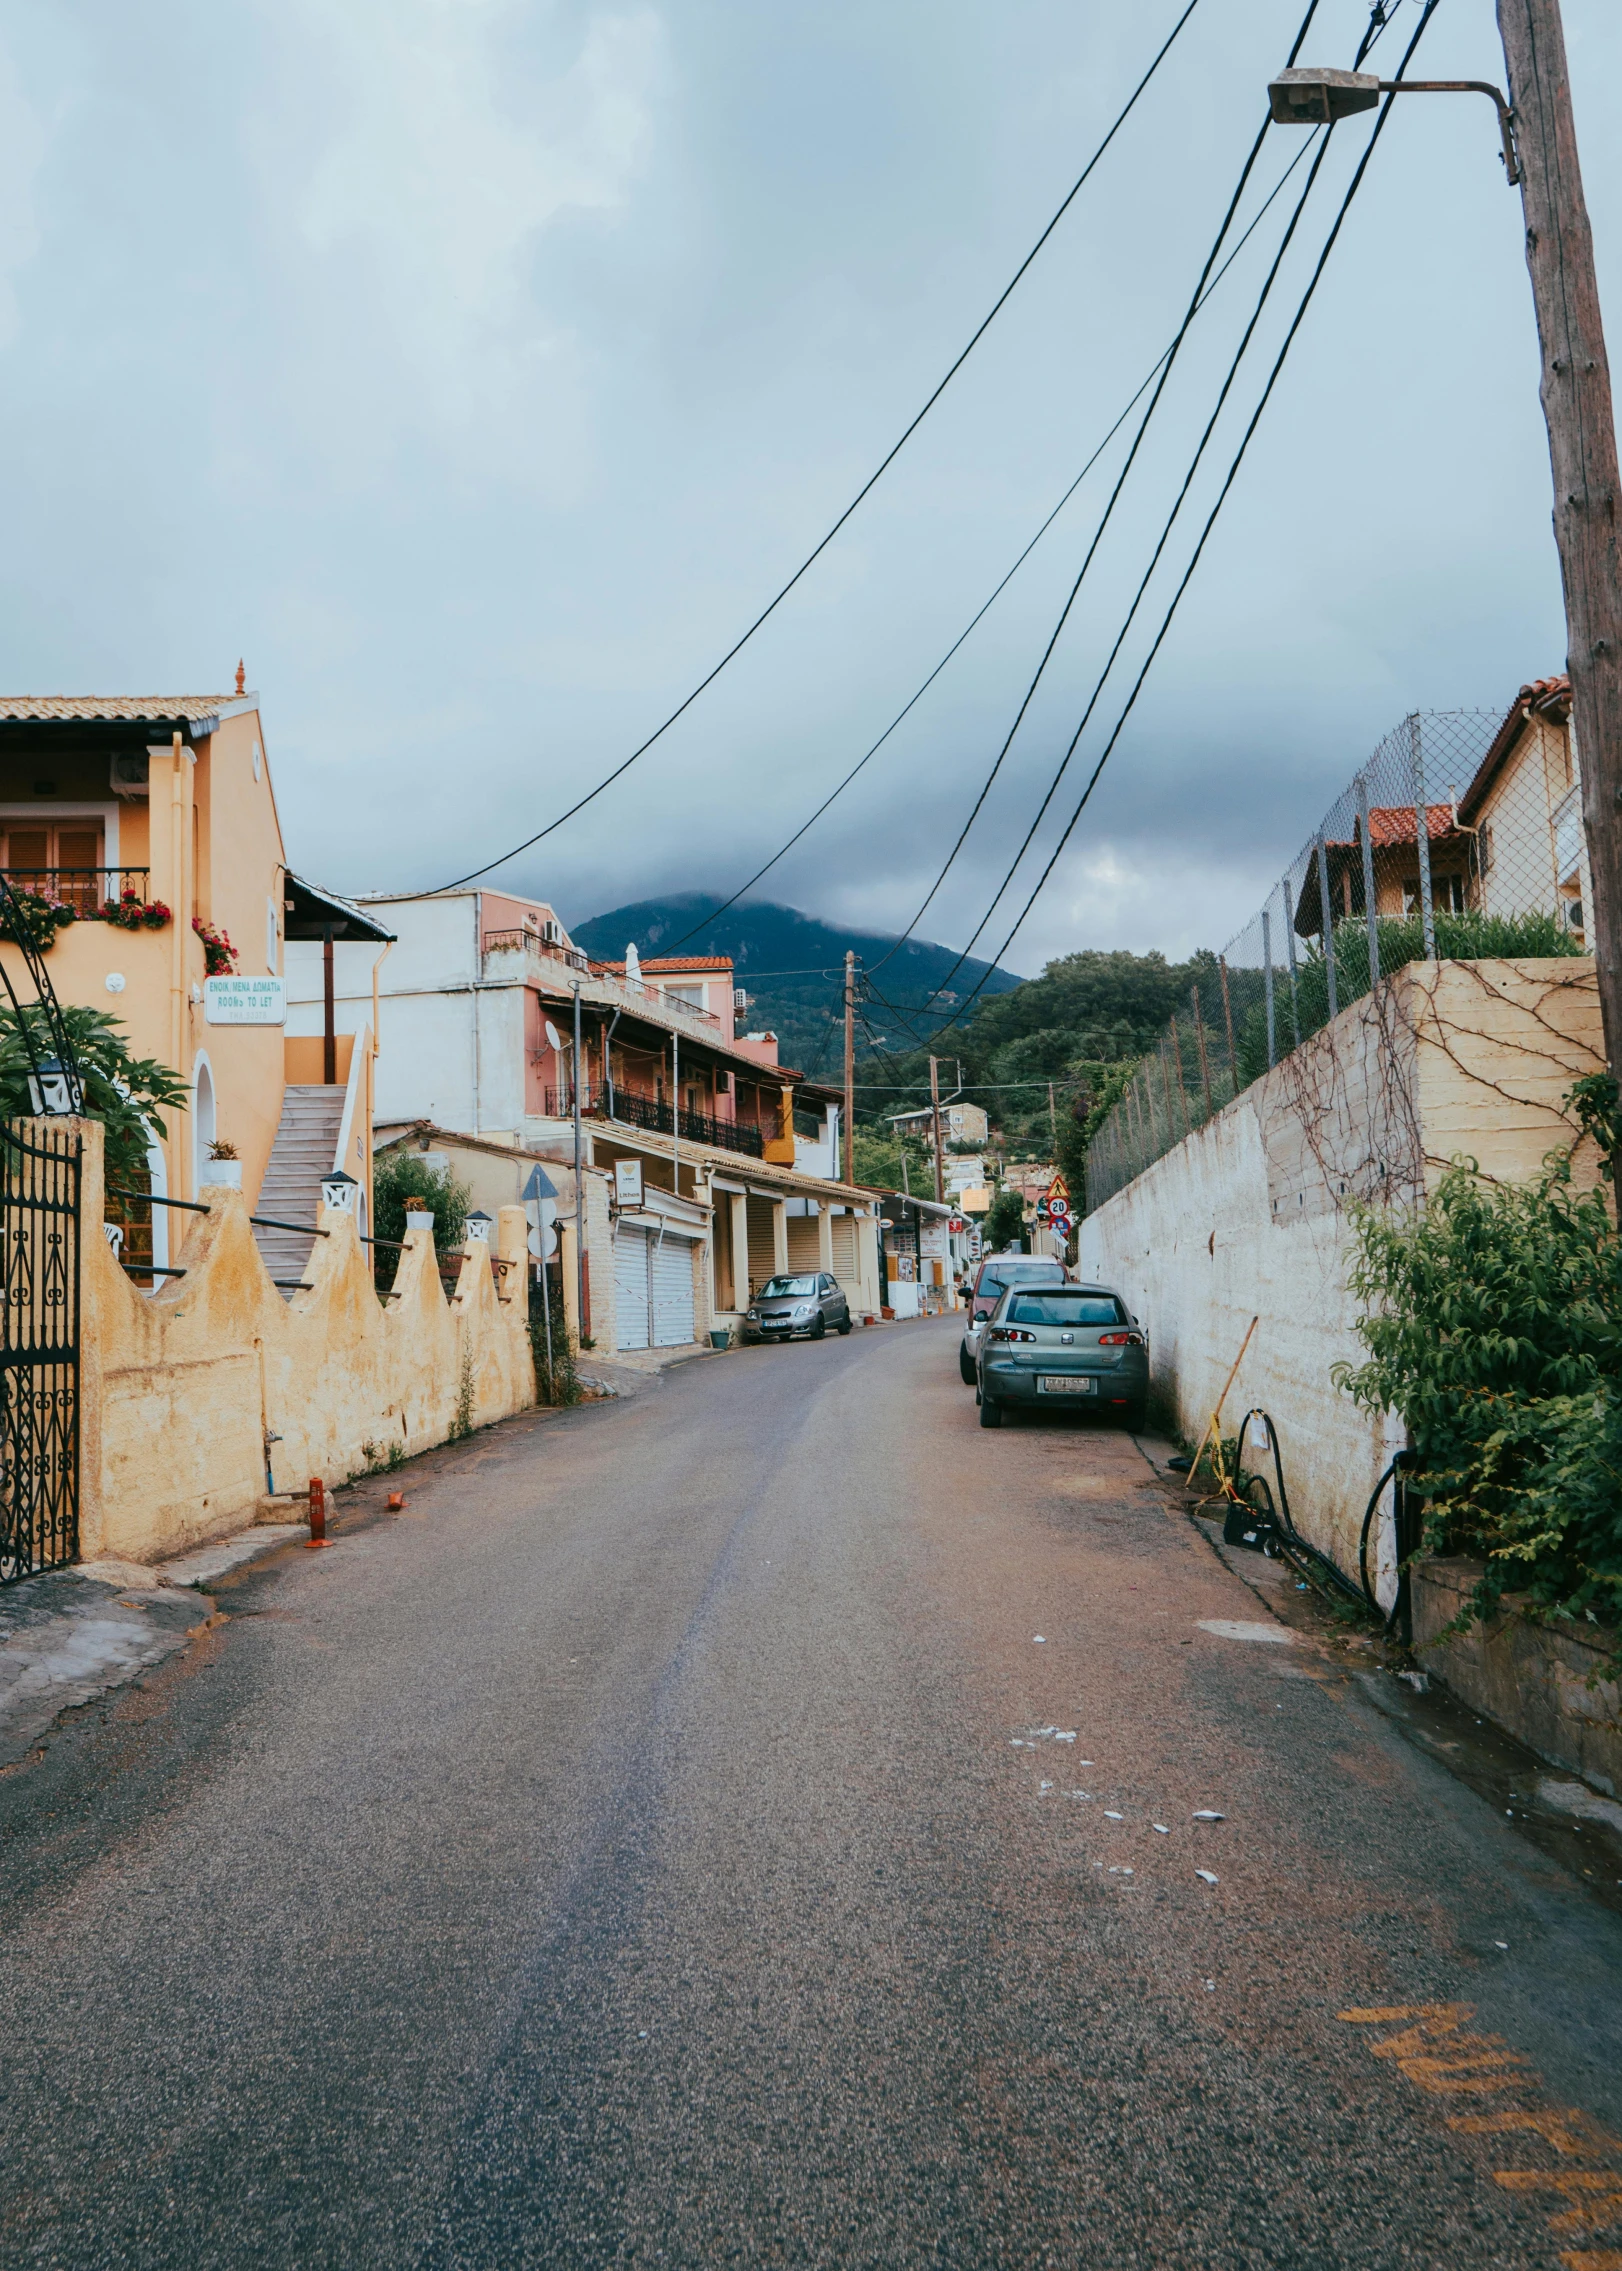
x: 663, y: 1843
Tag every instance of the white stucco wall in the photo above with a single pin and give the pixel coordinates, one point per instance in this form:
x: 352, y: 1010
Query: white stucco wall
x: 1248, y: 1215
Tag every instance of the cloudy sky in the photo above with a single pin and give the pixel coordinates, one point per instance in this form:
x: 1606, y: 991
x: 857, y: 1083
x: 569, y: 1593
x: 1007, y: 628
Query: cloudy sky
x: 477, y: 369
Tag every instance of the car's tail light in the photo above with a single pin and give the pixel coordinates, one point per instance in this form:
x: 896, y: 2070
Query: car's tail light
x: 1120, y: 1340
x: 1008, y: 1333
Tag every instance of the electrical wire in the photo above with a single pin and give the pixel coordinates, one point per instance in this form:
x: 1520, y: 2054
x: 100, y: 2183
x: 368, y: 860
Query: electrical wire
x: 1122, y: 478
x: 1232, y: 475
x: 979, y: 616
x: 1155, y: 557
x: 868, y: 485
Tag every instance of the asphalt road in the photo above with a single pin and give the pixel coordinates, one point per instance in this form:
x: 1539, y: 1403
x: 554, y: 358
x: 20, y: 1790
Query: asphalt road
x: 656, y: 1846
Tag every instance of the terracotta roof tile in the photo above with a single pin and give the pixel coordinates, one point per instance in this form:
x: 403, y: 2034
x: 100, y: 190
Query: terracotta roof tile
x: 667, y: 964
x: 1551, y: 696
x: 137, y: 709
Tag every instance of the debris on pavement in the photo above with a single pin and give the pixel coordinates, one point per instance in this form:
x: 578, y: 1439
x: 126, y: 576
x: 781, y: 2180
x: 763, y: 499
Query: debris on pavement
x: 1164, y: 1831
x: 1112, y: 1817
x: 1205, y: 1814
x: 1206, y: 1878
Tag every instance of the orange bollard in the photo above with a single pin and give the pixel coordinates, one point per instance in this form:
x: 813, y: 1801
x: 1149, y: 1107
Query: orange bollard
x: 318, y: 1513
x: 396, y: 1501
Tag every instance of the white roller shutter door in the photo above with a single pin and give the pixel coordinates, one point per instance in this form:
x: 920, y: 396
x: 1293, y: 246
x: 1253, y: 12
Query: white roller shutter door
x: 631, y: 1291
x: 672, y: 1292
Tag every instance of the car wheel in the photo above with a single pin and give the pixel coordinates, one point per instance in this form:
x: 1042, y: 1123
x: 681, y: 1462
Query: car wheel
x: 965, y: 1365
x: 844, y: 1322
x: 990, y: 1413
x: 1132, y: 1419
x: 819, y: 1328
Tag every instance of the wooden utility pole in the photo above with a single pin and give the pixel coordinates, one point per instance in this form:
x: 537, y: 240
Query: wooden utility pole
x: 850, y: 1067
x: 1576, y: 392
x: 935, y: 1119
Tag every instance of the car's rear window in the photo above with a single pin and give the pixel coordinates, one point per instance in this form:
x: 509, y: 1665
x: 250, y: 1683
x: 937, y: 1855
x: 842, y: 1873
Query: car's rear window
x: 1058, y: 1308
x: 993, y: 1282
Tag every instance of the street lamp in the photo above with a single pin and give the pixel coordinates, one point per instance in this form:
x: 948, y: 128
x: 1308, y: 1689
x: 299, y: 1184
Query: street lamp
x: 1316, y: 95
x: 53, y: 1088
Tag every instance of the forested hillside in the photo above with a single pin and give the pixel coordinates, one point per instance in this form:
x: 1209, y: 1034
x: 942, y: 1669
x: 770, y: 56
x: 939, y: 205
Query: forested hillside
x: 799, y: 991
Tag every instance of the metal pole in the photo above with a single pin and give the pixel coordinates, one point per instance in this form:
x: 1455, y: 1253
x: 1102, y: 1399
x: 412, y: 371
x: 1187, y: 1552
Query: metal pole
x: 579, y: 1184
x: 1577, y: 406
x: 1422, y: 835
x: 1371, y: 912
x: 1205, y: 1061
x: 546, y: 1327
x: 675, y: 1113
x: 1227, y: 1019
x: 1289, y: 944
x: 329, y: 1029
x: 850, y: 1066
x: 935, y: 1122
x: 1267, y: 979
x: 1329, y: 926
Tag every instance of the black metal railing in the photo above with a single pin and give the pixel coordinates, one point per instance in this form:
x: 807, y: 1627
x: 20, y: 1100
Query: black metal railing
x: 653, y: 1113
x: 84, y: 889
x: 40, y: 1173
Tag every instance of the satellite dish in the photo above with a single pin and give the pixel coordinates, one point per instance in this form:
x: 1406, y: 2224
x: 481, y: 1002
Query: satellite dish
x: 551, y: 1031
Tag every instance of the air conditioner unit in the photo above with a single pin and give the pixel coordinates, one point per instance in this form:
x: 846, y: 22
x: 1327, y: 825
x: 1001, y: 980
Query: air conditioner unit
x: 130, y: 774
x: 552, y: 931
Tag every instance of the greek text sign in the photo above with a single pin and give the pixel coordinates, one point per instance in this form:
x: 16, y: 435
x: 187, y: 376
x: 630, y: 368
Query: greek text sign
x: 245, y: 1001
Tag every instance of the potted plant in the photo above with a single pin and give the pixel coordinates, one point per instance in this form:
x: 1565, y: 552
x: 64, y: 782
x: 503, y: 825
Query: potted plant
x: 222, y: 1169
x: 33, y: 918
x: 129, y: 911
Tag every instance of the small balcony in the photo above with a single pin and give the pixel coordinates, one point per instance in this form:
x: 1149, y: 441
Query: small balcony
x: 632, y: 1110
x: 85, y: 889
x: 525, y: 941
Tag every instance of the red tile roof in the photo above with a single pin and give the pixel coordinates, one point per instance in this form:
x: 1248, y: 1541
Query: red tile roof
x: 666, y: 965
x: 1391, y: 824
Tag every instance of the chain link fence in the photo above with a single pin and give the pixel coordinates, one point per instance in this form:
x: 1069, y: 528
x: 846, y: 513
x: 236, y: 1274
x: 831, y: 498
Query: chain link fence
x: 1462, y: 837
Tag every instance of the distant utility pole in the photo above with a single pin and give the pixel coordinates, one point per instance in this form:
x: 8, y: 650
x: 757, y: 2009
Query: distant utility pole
x: 850, y: 1067
x: 935, y: 1115
x: 1053, y: 1119
x: 1576, y: 392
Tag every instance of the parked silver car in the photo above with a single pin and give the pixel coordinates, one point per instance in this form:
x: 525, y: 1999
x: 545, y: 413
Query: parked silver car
x: 807, y: 1302
x: 996, y: 1274
x: 1063, y: 1344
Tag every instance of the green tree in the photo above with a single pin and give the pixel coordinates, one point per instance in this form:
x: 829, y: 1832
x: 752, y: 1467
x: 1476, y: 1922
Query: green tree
x: 880, y: 1156
x: 128, y: 1094
x: 401, y: 1177
x: 1005, y: 1223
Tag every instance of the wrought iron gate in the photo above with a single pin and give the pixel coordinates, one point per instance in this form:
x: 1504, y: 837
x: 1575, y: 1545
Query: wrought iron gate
x: 40, y: 1175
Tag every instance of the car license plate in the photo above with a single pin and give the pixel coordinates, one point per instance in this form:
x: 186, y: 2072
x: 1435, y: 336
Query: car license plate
x: 1065, y: 1384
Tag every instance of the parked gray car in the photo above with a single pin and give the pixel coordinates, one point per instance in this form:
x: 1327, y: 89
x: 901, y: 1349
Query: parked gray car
x: 1078, y: 1345
x: 807, y: 1302
x: 996, y: 1274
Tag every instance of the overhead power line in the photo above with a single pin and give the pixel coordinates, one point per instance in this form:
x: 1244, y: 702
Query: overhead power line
x: 1168, y: 363
x: 1352, y: 189
x: 981, y: 613
x: 868, y: 485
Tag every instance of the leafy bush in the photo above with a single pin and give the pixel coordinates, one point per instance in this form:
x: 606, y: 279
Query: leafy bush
x: 1459, y: 938
x: 400, y: 1177
x: 1494, y: 1325
x: 127, y: 1094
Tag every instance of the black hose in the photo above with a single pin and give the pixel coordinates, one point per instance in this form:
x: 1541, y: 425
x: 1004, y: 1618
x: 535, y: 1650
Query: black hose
x: 1401, y: 1460
x: 1297, y: 1549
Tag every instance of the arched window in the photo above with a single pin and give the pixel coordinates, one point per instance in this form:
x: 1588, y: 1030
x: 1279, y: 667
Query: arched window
x: 202, y: 1116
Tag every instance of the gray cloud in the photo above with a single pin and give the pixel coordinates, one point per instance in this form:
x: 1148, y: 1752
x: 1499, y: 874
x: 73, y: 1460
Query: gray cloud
x: 476, y: 368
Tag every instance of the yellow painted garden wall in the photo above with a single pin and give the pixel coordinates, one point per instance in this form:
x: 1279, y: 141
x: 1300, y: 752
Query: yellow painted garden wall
x: 179, y: 1388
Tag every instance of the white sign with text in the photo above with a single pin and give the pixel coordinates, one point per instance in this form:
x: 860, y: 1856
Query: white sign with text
x: 245, y: 1001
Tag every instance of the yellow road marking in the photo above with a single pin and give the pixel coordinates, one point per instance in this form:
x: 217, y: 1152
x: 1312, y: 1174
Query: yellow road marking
x: 1568, y: 2129
x: 1595, y: 2194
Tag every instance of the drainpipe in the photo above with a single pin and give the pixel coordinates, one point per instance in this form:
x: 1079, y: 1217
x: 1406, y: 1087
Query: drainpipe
x: 608, y: 1059
x: 675, y: 1115
x: 329, y: 1028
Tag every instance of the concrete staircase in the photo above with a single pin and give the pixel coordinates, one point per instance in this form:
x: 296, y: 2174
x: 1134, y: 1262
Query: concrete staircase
x: 305, y: 1146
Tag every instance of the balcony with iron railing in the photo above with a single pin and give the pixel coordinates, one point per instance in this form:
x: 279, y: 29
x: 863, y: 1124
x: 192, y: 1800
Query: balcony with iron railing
x: 85, y: 889
x: 633, y: 1110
